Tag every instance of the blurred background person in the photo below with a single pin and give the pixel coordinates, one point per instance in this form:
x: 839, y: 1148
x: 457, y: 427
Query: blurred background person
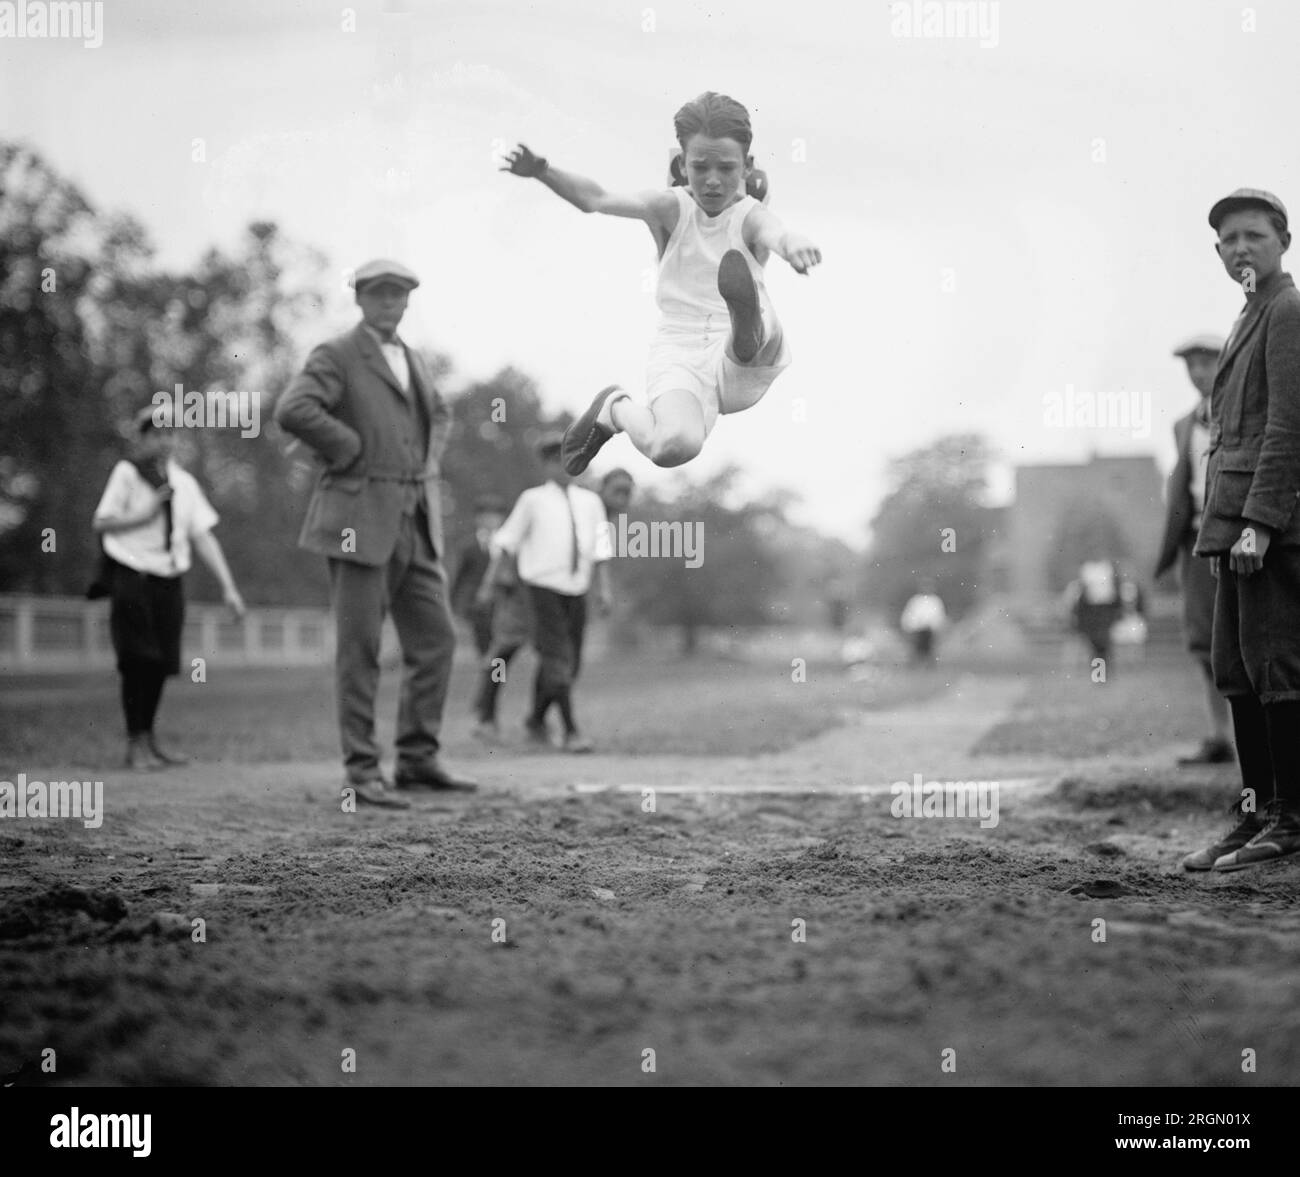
x: 558, y: 535
x: 1184, y: 502
x: 505, y: 598
x: 151, y: 517
x: 471, y: 565
x: 1096, y: 603
x: 924, y: 617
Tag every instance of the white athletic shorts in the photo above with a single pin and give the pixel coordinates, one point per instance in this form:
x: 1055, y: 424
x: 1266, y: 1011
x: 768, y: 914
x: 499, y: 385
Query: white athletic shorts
x: 691, y: 355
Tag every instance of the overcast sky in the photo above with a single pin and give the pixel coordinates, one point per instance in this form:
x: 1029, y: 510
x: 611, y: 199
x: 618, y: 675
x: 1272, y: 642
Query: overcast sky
x: 1002, y: 217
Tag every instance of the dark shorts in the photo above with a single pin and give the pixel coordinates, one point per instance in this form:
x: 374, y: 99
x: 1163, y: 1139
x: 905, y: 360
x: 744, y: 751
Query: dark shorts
x: 1256, y: 647
x: 146, y: 618
x: 1199, y: 587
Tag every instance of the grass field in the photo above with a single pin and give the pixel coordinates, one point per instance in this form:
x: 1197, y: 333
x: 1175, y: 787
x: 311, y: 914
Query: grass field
x: 694, y: 706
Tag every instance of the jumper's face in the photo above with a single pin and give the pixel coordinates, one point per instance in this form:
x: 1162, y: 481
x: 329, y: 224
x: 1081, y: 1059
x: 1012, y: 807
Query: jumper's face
x: 1201, y: 366
x: 488, y: 521
x: 1249, y: 242
x: 383, y: 303
x: 716, y: 170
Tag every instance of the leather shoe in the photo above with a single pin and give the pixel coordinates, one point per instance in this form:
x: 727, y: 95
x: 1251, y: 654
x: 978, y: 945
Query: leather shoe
x: 377, y: 792
x: 1210, y: 752
x: 431, y: 775
x: 175, y: 758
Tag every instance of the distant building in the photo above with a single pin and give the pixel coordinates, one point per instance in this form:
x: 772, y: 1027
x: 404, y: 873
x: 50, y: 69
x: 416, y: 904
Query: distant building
x: 1060, y: 512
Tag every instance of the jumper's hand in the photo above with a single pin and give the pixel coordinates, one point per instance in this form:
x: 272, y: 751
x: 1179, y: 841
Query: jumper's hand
x: 1247, y: 555
x: 801, y: 253
x: 522, y: 162
x: 483, y: 597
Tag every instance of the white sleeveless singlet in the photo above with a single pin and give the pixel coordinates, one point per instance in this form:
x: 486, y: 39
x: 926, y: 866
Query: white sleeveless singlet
x: 689, y: 348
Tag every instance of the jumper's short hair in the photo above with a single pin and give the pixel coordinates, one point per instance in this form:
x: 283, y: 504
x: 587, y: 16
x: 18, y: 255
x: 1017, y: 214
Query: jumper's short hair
x: 715, y: 116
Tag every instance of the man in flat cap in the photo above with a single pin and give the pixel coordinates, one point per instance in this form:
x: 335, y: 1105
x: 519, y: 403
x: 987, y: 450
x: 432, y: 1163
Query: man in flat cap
x: 557, y: 535
x: 1250, y: 530
x: 1184, y: 504
x: 366, y: 405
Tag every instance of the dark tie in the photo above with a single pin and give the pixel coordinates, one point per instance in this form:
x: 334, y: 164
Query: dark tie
x: 573, y: 524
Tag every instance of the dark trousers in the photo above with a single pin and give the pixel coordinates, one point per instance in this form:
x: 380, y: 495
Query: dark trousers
x: 146, y: 617
x: 493, y: 676
x: 559, y: 624
x: 1095, y: 622
x: 481, y: 621
x: 412, y: 586
x: 1256, y: 644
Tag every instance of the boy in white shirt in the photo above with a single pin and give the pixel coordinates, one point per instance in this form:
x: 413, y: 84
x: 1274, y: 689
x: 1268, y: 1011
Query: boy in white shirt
x: 558, y: 537
x: 151, y: 515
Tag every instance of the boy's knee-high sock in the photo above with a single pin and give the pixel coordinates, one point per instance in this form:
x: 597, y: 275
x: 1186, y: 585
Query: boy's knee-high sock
x: 156, y: 684
x: 1283, y: 720
x: 1251, y: 731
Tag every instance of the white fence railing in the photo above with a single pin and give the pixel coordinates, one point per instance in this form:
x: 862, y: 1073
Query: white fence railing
x: 68, y: 633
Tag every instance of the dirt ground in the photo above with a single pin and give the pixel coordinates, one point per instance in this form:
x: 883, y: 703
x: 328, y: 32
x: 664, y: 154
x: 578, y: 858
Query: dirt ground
x: 564, y: 921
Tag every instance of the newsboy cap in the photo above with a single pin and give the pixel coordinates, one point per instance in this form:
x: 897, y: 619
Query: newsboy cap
x: 1246, y: 198
x: 1207, y: 341
x: 384, y: 268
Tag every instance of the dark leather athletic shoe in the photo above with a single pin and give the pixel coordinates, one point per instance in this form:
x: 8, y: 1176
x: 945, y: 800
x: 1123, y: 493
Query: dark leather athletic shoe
x: 1279, y: 838
x: 583, y: 439
x: 168, y: 758
x: 1247, y: 826
x: 737, y: 286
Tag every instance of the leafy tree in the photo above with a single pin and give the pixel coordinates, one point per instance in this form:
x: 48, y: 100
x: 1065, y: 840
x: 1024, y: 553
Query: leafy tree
x: 931, y: 525
x: 739, y: 571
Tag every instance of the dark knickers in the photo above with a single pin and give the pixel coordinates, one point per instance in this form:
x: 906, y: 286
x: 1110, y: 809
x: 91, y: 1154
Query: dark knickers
x: 1256, y: 646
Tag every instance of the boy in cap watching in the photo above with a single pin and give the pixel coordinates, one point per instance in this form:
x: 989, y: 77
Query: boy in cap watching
x: 1251, y: 531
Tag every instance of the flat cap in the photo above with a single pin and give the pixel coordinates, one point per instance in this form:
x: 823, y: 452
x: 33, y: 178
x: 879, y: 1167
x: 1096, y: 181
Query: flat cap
x: 1206, y: 341
x: 384, y: 268
x: 1246, y: 198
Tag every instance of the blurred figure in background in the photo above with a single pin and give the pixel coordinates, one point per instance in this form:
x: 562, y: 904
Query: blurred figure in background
x: 923, y: 618
x: 1184, y: 503
x: 616, y: 493
x: 1096, y: 603
x: 558, y: 534
x: 616, y: 489
x: 152, y: 514
x: 471, y: 565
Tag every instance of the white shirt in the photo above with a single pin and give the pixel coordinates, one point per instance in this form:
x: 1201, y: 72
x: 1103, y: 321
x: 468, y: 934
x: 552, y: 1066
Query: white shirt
x: 1198, y: 453
x: 394, y: 352
x: 539, y: 533
x: 923, y: 611
x: 143, y: 548
x: 1098, y: 582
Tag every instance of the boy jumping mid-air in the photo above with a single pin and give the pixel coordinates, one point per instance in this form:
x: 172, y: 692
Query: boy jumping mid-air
x: 719, y: 345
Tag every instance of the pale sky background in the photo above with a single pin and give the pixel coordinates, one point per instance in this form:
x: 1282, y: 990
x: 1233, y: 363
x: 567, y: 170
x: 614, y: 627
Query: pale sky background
x: 1073, y: 262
